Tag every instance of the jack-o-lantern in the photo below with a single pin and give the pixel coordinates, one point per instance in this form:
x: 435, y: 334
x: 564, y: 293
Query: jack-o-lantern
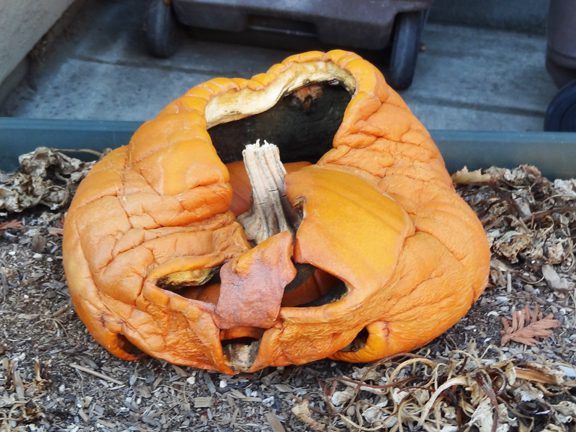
x: 176, y: 248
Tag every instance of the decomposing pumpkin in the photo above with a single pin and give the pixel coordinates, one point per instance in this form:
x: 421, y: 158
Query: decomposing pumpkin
x: 175, y: 248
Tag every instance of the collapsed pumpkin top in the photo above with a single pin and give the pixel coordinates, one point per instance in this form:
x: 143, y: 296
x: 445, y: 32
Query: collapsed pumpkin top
x: 180, y: 135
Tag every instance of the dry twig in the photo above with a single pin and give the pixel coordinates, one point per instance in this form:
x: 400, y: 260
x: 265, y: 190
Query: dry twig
x: 95, y: 373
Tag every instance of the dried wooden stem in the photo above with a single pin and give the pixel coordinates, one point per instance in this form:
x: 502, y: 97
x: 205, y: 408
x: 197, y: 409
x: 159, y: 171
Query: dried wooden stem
x: 269, y: 203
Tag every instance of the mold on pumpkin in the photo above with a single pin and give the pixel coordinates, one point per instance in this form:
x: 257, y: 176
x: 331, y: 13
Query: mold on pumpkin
x: 345, y: 240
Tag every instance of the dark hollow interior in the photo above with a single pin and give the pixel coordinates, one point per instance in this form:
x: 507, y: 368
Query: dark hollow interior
x: 335, y: 293
x: 128, y: 346
x: 302, y: 126
x: 358, y: 343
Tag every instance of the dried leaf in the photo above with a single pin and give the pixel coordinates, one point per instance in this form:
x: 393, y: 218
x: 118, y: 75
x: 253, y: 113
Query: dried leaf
x: 566, y: 187
x: 274, y: 422
x: 46, y: 176
x: 339, y: 398
x: 302, y: 411
x: 482, y: 417
x: 553, y: 279
x: 464, y: 176
x: 11, y: 224
x: 566, y: 408
x: 375, y: 412
x: 527, y: 325
x: 538, y: 373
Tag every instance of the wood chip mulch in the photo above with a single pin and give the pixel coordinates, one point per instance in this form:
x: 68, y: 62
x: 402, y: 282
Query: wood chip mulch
x: 509, y: 365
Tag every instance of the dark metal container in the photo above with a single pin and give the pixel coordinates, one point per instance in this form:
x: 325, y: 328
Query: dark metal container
x: 356, y: 24
x: 561, y: 35
x: 394, y: 25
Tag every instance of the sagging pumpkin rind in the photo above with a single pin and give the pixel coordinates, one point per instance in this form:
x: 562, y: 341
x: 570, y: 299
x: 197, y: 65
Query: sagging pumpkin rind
x: 164, y: 199
x: 350, y: 229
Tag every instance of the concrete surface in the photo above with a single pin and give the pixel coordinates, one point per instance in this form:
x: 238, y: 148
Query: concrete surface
x: 520, y: 15
x: 466, y: 78
x: 22, y: 24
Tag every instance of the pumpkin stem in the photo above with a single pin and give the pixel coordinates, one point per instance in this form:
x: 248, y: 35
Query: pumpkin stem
x: 271, y: 212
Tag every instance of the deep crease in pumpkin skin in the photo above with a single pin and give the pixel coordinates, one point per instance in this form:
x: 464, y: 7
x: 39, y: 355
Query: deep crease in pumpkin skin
x: 111, y: 313
x: 349, y: 136
x: 127, y: 328
x: 109, y: 341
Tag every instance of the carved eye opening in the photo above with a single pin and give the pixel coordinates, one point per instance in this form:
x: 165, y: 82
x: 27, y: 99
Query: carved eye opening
x: 198, y: 284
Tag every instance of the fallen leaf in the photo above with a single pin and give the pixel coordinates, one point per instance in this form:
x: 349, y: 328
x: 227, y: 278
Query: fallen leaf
x: 553, y: 279
x: 527, y: 325
x: 45, y: 176
x: 464, y: 176
x: 302, y: 411
x: 11, y: 224
x: 55, y: 231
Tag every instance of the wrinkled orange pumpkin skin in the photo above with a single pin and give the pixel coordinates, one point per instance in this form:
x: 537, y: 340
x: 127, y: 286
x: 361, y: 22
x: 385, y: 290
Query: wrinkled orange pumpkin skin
x: 414, y: 256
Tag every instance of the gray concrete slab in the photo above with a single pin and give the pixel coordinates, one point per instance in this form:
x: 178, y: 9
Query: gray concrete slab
x: 481, y: 79
x: 524, y: 15
x: 118, y: 39
x: 436, y: 115
x: 467, y: 78
x: 92, y: 90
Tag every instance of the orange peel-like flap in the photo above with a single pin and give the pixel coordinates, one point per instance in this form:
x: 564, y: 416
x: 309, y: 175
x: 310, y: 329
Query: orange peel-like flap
x: 253, y: 284
x: 350, y: 229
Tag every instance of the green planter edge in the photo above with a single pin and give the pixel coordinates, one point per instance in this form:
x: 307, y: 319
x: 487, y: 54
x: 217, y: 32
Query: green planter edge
x: 554, y: 153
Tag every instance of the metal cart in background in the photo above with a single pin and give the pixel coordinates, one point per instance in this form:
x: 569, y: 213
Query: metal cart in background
x: 391, y: 26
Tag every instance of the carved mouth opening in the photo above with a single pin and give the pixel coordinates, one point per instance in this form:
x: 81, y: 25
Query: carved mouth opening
x: 241, y: 352
x: 313, y: 287
x: 302, y: 124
